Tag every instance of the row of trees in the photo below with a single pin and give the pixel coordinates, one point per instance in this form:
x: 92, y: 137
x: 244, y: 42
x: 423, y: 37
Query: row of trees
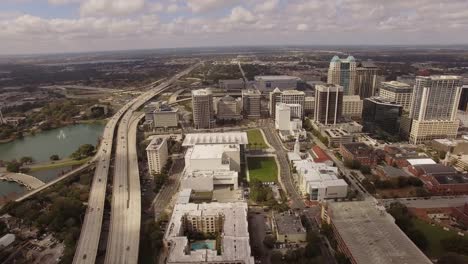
x: 84, y: 151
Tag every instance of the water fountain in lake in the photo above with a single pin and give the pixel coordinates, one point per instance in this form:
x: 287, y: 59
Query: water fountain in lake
x: 61, y: 135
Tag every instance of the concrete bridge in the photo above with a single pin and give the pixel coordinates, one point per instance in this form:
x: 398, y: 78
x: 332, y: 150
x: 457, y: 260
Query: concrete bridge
x: 28, y: 181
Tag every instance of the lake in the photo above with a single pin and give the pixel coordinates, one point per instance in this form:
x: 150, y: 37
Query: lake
x: 61, y: 141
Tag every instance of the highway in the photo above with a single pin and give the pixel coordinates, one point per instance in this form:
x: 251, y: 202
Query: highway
x: 124, y: 233
x: 88, y: 242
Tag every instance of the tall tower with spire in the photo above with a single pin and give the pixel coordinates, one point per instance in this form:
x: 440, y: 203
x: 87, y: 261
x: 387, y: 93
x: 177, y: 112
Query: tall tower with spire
x: 297, y: 146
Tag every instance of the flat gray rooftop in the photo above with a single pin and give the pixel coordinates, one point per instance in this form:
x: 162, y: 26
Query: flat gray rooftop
x: 371, y: 234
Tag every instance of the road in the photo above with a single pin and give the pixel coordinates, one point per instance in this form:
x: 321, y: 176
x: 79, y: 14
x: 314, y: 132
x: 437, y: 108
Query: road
x: 167, y: 192
x: 91, y: 229
x: 123, y: 240
x: 432, y: 202
x: 243, y: 74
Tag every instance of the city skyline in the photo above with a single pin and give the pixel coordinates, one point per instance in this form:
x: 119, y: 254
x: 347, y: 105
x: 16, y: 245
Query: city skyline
x: 55, y: 26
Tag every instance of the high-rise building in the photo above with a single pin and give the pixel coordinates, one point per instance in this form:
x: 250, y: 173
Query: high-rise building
x: 381, y: 113
x: 202, y: 107
x: 398, y: 92
x: 463, y: 105
x: 328, y: 104
x: 309, y: 105
x: 283, y: 116
x: 275, y: 97
x: 251, y: 103
x: 343, y: 72
x: 165, y: 116
x: 434, y: 107
x: 157, y: 154
x: 352, y: 106
x: 294, y: 97
x: 366, y: 79
x: 228, y: 108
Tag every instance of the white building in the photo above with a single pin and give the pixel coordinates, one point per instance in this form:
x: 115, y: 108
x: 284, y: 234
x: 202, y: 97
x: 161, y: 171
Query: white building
x: 434, y: 108
x: 268, y: 83
x: 212, y: 159
x: 283, y: 116
x: 397, y: 92
x: 157, y: 154
x: 202, y: 107
x: 319, y: 180
x: 229, y: 220
x: 165, y: 116
x: 294, y: 97
x: 352, y: 106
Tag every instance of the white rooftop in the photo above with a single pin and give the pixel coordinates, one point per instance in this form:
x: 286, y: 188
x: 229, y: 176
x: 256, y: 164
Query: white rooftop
x: 293, y: 92
x: 156, y: 143
x: 201, y: 92
x: 420, y: 161
x: 216, y: 138
x: 234, y: 238
x: 276, y: 77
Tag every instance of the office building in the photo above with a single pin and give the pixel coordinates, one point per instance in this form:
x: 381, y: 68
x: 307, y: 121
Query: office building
x: 251, y: 103
x: 367, y: 79
x: 352, y: 106
x: 309, y: 105
x: 157, y: 155
x: 463, y: 105
x: 232, y: 85
x: 268, y: 83
x: 294, y: 97
x: 149, y: 109
x: 228, y: 108
x: 165, y: 116
x: 380, y: 113
x: 342, y: 72
x: 398, y: 92
x: 288, y: 228
x: 441, y: 180
x: 202, y: 107
x: 283, y: 116
x: 275, y: 97
x: 328, y: 104
x: 366, y: 233
x: 228, y: 220
x: 319, y: 181
x: 434, y: 108
x: 337, y: 136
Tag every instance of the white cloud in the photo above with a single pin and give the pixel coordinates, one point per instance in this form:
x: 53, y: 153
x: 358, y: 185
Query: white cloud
x: 200, y: 6
x: 266, y: 6
x: 241, y: 15
x: 111, y: 7
x: 302, y: 27
x: 63, y: 2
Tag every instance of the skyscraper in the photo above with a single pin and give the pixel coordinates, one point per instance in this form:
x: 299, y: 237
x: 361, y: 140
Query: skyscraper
x: 251, y: 103
x: 366, y: 79
x: 294, y: 97
x: 381, y: 113
x: 343, y: 72
x: 202, y: 106
x: 328, y: 104
x: 434, y: 107
x: 275, y: 97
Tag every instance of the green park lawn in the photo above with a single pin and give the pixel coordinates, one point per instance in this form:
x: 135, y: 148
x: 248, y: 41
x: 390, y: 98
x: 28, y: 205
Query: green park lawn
x: 256, y: 140
x: 263, y: 169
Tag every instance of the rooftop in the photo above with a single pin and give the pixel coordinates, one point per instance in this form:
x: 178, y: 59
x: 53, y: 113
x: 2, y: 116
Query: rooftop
x: 371, y: 234
x: 320, y: 155
x: 421, y: 161
x: 293, y: 92
x: 396, y: 84
x: 200, y: 92
x: 435, y: 169
x: 211, y: 151
x: 251, y: 92
x: 328, y: 87
x: 156, y: 143
x: 351, y: 98
x: 234, y: 237
x: 276, y: 77
x: 288, y: 223
x: 383, y: 101
x: 216, y: 138
x: 358, y: 148
x: 391, y: 171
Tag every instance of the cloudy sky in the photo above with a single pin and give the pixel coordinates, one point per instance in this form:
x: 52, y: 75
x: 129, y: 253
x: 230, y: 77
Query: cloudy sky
x: 42, y: 26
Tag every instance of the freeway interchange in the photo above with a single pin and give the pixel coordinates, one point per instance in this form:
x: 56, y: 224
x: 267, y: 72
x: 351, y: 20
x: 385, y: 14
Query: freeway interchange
x: 123, y: 240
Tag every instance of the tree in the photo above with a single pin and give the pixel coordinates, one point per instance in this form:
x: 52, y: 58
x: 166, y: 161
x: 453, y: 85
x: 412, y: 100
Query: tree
x: 455, y: 244
x: 451, y: 258
x: 54, y: 157
x: 83, y: 151
x: 13, y: 166
x: 26, y: 160
x: 276, y: 257
x: 269, y: 241
x: 365, y: 169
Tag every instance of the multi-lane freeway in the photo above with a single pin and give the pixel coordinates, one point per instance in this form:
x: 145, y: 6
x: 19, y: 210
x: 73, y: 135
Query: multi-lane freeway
x: 124, y: 232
